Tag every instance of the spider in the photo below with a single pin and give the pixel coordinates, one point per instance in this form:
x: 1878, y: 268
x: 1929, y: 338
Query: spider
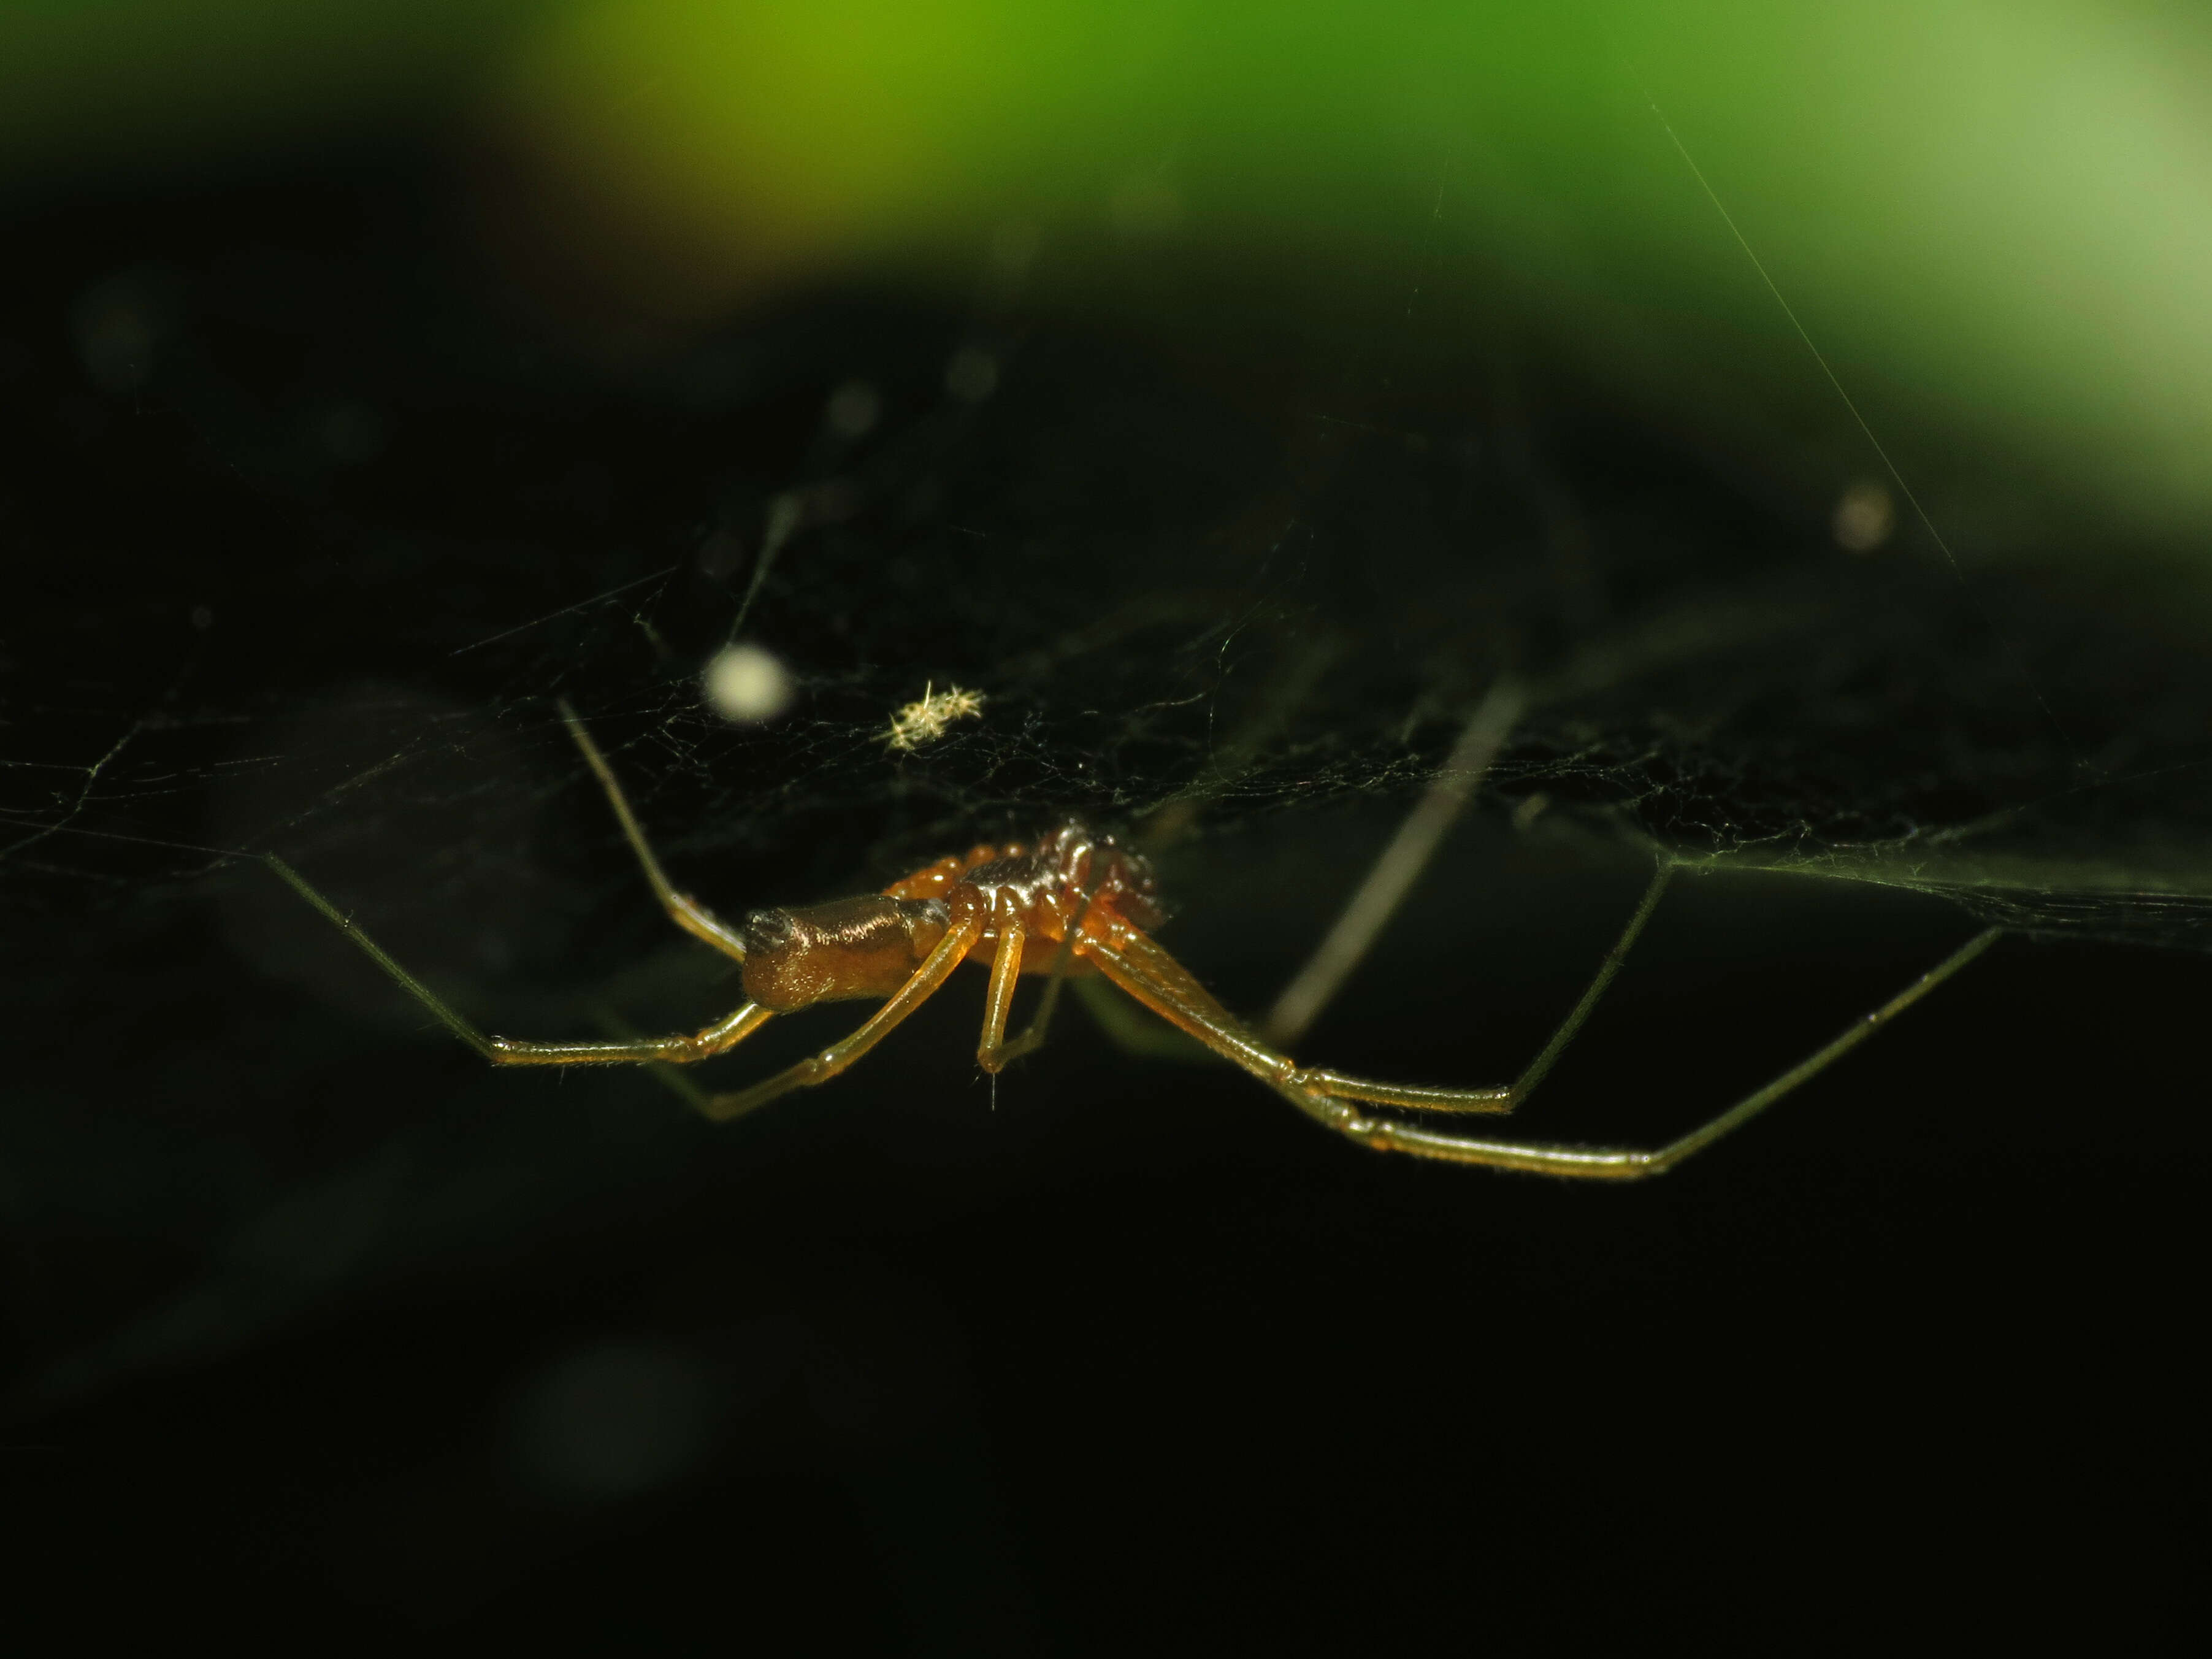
x: 1076, y: 903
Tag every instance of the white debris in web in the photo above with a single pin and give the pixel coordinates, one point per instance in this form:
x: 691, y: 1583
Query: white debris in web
x: 925, y: 721
x: 745, y: 684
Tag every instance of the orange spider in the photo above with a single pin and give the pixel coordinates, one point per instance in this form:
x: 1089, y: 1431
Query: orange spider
x: 1075, y: 903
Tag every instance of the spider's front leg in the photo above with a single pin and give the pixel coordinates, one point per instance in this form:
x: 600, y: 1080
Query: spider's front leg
x: 1632, y: 1163
x: 1153, y: 978
x: 1337, y: 1086
x: 1139, y: 965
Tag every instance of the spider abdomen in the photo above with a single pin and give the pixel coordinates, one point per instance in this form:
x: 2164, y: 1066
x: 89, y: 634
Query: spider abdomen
x: 854, y: 947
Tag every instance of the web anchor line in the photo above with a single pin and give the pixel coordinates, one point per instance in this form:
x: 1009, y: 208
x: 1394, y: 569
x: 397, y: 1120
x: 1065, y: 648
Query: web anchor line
x: 1866, y: 429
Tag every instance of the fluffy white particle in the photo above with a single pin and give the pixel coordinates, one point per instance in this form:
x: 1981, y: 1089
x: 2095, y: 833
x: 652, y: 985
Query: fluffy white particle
x: 746, y: 684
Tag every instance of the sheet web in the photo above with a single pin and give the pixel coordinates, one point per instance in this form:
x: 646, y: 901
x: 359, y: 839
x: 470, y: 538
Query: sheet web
x: 323, y: 540
x: 313, y: 542
x: 1183, y: 615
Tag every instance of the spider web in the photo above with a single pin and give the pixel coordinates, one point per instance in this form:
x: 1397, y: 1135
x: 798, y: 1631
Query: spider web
x: 1187, y: 614
x: 316, y: 536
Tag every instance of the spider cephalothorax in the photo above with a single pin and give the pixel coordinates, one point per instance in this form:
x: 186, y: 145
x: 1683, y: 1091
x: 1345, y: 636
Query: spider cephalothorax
x: 1075, y: 871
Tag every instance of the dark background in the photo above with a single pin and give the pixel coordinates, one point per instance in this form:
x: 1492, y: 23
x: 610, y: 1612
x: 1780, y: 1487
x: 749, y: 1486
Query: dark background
x: 315, y: 1327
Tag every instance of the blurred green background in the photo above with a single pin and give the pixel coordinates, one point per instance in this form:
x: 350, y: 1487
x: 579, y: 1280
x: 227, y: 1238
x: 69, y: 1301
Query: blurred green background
x: 1992, y: 218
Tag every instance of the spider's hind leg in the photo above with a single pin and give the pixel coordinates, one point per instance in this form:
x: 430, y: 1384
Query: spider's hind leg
x: 368, y: 947
x: 681, y: 1048
x: 686, y: 912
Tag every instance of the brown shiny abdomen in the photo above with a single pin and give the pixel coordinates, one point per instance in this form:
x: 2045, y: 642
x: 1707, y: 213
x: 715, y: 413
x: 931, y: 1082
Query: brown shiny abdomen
x: 856, y: 947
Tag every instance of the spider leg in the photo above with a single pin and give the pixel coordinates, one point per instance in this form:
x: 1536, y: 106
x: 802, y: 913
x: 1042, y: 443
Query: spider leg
x: 1471, y: 1100
x: 680, y: 1049
x: 1140, y: 966
x: 1138, y: 974
x: 995, y: 1052
x: 1525, y: 1085
x: 928, y: 979
x: 722, y: 1036
x: 686, y: 912
x: 1392, y: 876
x: 368, y: 947
x: 1129, y: 1028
